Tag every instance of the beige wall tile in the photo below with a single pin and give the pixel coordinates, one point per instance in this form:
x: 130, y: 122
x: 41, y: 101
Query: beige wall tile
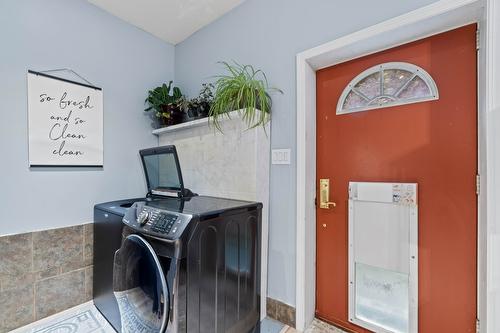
x: 285, y: 314
x: 88, y: 243
x: 16, y: 307
x: 57, y: 247
x: 16, y: 255
x: 48, y: 273
x: 89, y: 280
x: 281, y: 312
x: 271, y: 308
x: 44, y: 272
x: 58, y: 293
x: 18, y: 280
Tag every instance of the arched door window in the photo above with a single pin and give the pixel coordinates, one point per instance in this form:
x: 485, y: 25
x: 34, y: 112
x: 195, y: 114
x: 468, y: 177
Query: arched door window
x: 389, y: 84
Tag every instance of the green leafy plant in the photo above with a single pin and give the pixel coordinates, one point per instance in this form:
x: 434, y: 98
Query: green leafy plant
x: 206, y: 97
x: 199, y: 106
x: 245, y: 89
x: 165, y: 104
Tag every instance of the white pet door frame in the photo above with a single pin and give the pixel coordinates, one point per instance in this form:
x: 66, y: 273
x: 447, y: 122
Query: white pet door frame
x: 383, y: 256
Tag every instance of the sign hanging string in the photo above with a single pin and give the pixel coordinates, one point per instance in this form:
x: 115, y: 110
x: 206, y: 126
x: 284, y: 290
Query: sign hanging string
x: 70, y: 71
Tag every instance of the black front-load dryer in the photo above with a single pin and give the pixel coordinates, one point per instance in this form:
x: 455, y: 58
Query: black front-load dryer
x: 189, y: 265
x: 174, y: 261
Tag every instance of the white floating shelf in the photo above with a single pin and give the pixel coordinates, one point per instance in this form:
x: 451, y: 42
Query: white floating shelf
x: 182, y: 126
x: 191, y: 124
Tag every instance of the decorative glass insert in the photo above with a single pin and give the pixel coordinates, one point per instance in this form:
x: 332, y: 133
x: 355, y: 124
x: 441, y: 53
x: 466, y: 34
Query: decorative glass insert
x: 389, y: 84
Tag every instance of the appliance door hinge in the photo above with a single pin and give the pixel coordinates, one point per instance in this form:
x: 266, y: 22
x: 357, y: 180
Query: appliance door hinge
x: 478, y: 184
x: 478, y: 328
x: 478, y: 39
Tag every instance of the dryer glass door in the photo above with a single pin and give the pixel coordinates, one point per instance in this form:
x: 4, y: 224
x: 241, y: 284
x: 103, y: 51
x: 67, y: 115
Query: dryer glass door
x: 140, y: 287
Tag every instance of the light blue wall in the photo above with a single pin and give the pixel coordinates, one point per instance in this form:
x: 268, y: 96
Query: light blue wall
x: 268, y: 34
x: 114, y: 55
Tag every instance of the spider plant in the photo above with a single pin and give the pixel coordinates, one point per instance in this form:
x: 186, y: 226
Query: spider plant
x: 245, y: 89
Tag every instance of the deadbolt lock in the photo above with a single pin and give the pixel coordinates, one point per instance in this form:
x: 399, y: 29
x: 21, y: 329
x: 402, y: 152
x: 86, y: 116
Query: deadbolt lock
x: 324, y: 194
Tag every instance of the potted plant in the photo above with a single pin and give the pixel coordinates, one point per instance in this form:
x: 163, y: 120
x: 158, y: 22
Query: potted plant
x: 165, y: 105
x: 199, y: 107
x: 245, y: 89
x: 205, y: 99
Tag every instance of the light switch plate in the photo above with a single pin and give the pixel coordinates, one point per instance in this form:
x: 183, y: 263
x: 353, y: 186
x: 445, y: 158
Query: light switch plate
x: 281, y: 156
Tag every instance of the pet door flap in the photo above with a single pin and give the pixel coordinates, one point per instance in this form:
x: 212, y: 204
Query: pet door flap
x: 383, y: 263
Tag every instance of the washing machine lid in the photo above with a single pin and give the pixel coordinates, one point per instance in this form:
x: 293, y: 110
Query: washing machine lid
x: 140, y: 287
x: 162, y: 171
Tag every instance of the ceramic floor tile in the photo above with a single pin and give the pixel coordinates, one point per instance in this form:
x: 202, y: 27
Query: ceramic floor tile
x: 317, y: 326
x: 84, y: 318
x: 268, y: 325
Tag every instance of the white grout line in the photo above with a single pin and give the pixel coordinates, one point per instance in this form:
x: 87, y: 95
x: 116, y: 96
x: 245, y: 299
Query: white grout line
x: 32, y: 252
x: 82, y: 244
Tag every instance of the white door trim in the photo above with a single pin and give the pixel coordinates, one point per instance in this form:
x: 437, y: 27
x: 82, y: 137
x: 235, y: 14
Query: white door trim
x: 438, y: 17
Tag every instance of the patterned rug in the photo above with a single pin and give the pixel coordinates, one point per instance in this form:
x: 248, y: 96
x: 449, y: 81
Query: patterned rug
x: 84, y: 318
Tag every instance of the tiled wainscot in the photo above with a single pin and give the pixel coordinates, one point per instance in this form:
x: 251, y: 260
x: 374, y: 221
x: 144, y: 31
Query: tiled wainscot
x: 44, y: 272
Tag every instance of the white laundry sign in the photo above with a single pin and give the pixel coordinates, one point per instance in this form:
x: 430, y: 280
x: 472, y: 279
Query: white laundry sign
x: 65, y: 122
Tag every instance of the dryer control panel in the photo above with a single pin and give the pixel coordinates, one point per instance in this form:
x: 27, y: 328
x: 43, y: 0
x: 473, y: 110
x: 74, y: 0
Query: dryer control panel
x: 156, y: 222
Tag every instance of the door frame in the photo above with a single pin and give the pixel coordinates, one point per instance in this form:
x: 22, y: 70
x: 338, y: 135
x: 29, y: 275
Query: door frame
x: 441, y: 16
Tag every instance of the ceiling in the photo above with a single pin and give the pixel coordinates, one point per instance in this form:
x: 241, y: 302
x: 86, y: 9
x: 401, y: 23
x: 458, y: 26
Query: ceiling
x: 171, y: 20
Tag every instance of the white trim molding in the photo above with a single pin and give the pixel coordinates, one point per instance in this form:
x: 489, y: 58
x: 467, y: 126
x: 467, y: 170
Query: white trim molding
x: 441, y: 16
x: 489, y: 241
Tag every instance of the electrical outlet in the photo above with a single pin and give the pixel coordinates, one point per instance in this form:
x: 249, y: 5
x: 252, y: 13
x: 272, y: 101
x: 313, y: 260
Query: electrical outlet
x: 281, y: 156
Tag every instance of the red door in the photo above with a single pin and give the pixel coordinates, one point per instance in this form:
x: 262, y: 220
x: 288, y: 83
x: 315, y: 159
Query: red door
x: 432, y: 143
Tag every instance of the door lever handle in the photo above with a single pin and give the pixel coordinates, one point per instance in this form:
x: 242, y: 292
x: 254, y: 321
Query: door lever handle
x: 324, y: 194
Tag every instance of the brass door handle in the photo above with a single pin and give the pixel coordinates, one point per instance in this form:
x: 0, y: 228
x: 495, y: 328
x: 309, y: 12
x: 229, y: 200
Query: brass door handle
x: 324, y: 194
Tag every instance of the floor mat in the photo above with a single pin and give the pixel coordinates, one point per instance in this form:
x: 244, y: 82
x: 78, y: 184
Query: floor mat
x: 84, y: 318
x: 268, y: 325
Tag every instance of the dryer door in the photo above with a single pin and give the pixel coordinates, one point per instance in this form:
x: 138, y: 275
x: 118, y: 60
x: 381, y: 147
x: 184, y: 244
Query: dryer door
x: 140, y: 287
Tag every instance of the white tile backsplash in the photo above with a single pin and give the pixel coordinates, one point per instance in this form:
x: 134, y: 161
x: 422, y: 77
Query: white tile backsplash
x: 233, y: 164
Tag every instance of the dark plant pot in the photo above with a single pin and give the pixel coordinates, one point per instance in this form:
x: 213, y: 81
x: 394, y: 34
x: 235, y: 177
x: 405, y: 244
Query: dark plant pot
x: 156, y: 122
x: 204, y: 110
x: 200, y: 111
x: 193, y: 113
x: 174, y: 115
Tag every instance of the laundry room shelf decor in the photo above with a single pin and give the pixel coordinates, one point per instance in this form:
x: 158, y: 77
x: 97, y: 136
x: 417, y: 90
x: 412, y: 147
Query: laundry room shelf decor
x: 65, y: 121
